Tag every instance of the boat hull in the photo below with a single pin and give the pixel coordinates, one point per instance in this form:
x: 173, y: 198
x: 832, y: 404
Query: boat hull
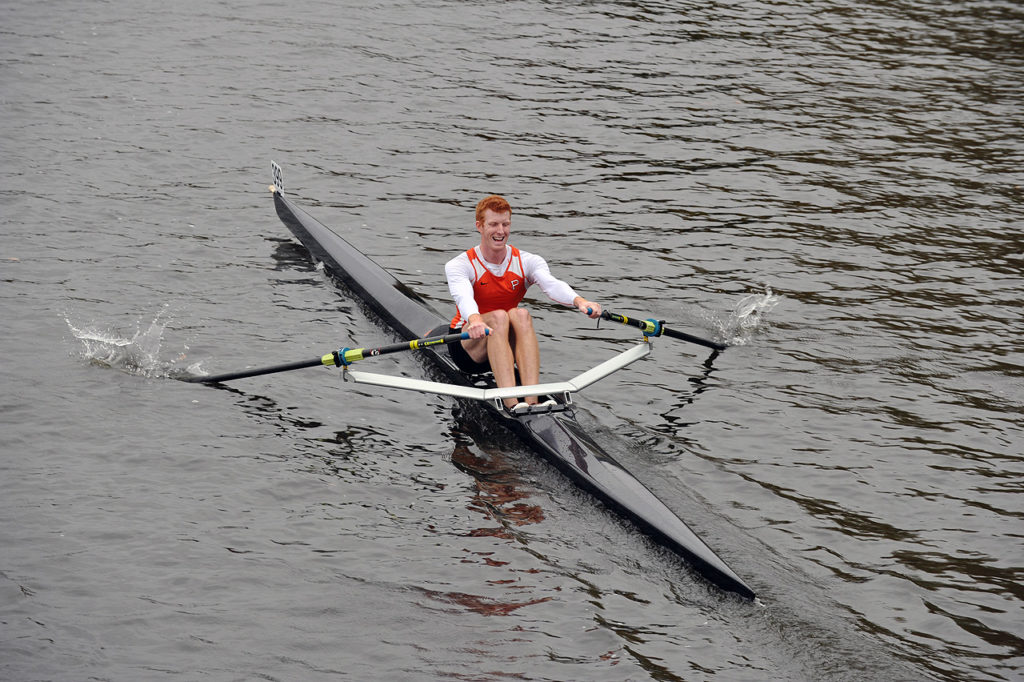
x: 556, y: 436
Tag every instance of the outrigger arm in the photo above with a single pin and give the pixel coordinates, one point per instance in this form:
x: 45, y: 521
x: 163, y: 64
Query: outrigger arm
x: 497, y: 395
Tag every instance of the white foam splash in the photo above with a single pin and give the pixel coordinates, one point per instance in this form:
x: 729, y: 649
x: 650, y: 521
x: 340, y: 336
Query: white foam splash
x: 748, y: 318
x: 135, y: 353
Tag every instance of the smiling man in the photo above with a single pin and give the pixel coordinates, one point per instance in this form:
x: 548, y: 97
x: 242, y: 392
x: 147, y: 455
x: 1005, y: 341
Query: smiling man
x: 488, y: 283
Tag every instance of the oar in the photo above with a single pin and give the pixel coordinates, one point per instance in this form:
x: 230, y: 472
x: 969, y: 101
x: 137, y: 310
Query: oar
x: 653, y: 327
x: 345, y: 356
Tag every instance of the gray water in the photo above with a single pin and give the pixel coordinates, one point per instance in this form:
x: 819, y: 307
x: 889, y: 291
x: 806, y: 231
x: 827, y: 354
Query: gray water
x: 832, y: 187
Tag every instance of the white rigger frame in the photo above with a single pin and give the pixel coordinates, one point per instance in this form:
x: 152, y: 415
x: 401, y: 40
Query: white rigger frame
x: 497, y: 395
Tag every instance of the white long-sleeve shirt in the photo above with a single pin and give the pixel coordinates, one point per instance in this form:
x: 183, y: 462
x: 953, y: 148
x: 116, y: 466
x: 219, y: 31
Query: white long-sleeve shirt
x: 461, y: 276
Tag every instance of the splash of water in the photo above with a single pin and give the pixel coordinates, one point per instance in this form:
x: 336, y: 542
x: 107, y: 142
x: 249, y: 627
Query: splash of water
x: 748, y: 318
x: 135, y: 352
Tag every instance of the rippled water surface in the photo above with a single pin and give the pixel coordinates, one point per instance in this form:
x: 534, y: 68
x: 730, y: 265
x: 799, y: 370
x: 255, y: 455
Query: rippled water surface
x: 834, y: 188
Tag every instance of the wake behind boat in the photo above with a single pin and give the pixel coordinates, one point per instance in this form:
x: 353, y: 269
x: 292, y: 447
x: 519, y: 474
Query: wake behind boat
x: 552, y: 432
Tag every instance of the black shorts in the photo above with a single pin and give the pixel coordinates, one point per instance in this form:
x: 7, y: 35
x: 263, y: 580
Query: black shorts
x: 462, y: 359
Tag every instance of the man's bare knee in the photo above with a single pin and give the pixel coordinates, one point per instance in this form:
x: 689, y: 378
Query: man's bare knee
x: 520, y: 318
x: 497, y: 320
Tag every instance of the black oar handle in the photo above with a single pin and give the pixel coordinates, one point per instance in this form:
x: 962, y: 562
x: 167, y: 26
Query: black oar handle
x: 707, y: 343
x: 230, y: 376
x: 338, y: 358
x: 346, y: 356
x: 653, y: 327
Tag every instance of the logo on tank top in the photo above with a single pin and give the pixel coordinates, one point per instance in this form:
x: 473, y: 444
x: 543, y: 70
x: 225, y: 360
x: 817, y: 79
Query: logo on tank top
x: 514, y: 284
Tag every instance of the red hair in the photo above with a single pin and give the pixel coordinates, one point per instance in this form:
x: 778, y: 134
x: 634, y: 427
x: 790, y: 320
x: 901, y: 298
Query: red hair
x: 492, y: 203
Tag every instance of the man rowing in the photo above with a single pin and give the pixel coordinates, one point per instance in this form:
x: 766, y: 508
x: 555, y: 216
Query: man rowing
x: 488, y: 283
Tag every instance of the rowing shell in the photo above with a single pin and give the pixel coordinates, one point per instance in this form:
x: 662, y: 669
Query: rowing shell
x: 553, y: 433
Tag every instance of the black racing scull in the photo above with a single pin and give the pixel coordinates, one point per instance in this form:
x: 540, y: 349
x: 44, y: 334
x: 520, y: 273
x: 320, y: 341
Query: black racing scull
x: 556, y: 435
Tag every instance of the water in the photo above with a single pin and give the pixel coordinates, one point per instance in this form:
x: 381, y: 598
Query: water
x: 834, y: 188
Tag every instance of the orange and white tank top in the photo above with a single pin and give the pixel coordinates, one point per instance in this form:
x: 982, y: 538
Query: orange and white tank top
x: 492, y: 292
